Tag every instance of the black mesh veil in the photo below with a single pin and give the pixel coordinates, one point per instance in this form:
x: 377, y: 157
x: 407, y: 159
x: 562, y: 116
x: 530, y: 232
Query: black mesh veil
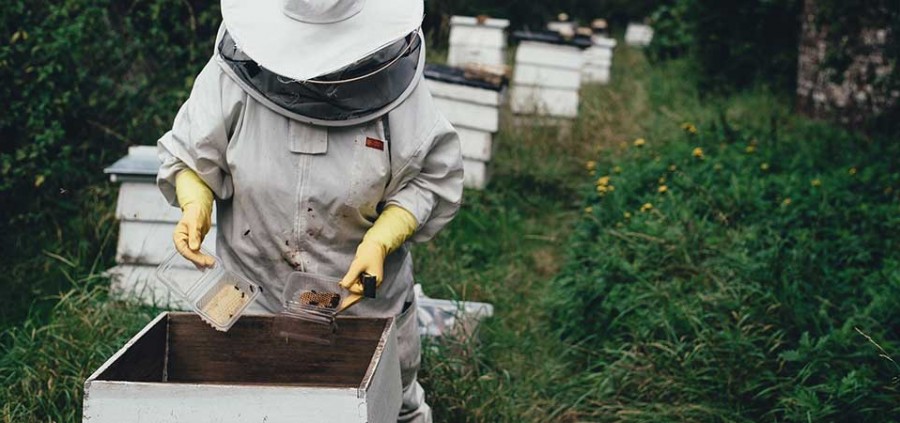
x: 355, y: 91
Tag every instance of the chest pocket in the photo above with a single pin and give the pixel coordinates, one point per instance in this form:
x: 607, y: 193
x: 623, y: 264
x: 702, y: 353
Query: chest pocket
x: 371, y: 170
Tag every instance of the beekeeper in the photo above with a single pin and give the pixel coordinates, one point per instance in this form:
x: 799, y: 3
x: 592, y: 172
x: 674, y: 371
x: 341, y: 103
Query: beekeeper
x: 311, y: 127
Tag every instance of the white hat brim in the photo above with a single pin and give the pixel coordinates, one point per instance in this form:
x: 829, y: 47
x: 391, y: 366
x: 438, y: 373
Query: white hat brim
x: 302, y: 51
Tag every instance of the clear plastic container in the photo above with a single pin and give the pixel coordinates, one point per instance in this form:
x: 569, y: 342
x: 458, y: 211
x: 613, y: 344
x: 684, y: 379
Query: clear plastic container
x: 217, y: 294
x: 310, y: 303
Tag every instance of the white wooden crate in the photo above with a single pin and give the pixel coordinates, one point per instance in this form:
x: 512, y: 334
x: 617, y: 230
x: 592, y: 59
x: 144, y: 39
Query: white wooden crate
x: 477, y: 174
x: 544, y: 101
x: 546, y: 76
x: 549, y: 55
x: 599, y: 74
x: 475, y: 144
x: 150, y: 242
x: 475, y: 41
x: 638, y: 35
x: 177, y: 369
x: 477, y: 116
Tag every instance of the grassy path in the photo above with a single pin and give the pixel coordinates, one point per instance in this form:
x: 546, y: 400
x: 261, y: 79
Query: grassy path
x: 505, y: 246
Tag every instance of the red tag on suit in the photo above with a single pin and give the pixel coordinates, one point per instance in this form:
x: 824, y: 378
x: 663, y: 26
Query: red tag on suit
x: 375, y: 143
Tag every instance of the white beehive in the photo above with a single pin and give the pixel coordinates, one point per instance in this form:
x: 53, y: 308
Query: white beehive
x: 598, y: 60
x: 477, y: 40
x: 547, y: 74
x: 473, y: 107
x: 178, y: 370
x: 146, y: 223
x: 638, y: 35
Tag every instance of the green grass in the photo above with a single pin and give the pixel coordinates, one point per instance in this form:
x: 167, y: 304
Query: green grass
x: 662, y: 317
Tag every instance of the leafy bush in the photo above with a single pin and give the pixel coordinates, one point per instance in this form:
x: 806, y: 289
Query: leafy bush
x: 82, y: 80
x: 726, y: 274
x: 737, y: 43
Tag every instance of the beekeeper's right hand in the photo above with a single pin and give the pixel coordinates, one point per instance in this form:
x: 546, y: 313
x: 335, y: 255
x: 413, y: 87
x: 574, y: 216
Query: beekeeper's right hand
x: 196, y: 200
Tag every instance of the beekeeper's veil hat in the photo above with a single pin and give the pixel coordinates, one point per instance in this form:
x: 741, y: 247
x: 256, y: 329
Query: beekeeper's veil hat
x: 303, y: 39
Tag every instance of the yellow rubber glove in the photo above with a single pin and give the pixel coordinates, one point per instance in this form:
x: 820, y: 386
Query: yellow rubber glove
x: 392, y: 228
x: 196, y: 200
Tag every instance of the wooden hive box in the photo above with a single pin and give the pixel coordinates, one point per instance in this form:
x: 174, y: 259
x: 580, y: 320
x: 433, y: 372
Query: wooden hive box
x: 638, y: 35
x: 598, y: 60
x: 177, y: 369
x: 547, y: 74
x: 146, y: 223
x: 477, y: 40
x: 473, y: 107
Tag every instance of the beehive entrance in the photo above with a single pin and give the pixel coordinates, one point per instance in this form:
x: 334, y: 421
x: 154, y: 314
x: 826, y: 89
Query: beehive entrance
x: 183, y: 349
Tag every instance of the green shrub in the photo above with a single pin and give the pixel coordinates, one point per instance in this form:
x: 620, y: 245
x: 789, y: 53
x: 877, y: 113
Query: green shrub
x: 82, y: 80
x: 725, y: 275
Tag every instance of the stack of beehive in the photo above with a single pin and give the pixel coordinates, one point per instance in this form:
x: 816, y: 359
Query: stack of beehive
x: 547, y: 74
x: 598, y: 59
x: 477, y: 40
x: 638, y: 35
x: 472, y: 104
x: 146, y: 223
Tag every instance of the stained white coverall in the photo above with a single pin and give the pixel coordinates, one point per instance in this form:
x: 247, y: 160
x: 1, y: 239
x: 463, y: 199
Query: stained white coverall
x: 295, y: 197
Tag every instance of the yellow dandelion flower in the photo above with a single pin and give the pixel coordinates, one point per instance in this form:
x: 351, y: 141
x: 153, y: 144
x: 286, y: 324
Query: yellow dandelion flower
x: 646, y: 207
x: 662, y: 189
x: 590, y: 165
x: 617, y: 169
x: 602, y: 189
x: 603, y: 181
x: 673, y: 168
x: 764, y: 167
x: 816, y: 182
x: 786, y: 202
x: 639, y: 142
x: 689, y: 127
x: 750, y: 149
x: 610, y: 188
x: 662, y: 180
x: 588, y: 210
x: 852, y: 171
x: 627, y: 215
x: 698, y: 153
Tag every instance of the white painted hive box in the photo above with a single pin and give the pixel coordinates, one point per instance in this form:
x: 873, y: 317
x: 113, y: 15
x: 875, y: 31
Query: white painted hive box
x: 473, y: 107
x: 477, y: 40
x: 598, y: 60
x: 146, y: 223
x: 547, y: 75
x: 177, y: 369
x: 638, y: 35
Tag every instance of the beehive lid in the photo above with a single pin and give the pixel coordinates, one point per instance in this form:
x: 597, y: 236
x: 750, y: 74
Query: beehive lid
x: 479, y: 21
x: 455, y: 75
x: 140, y: 165
x: 551, y: 37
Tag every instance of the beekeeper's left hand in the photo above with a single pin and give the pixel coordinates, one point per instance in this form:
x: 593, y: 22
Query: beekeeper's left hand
x: 392, y: 228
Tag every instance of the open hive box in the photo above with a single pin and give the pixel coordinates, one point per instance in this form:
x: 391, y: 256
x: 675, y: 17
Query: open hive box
x: 177, y: 369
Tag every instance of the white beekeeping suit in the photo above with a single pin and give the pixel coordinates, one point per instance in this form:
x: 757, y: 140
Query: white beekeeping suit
x: 303, y: 153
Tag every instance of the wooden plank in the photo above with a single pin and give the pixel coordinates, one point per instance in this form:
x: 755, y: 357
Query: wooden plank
x: 479, y: 21
x: 598, y: 53
x: 143, y: 359
x: 463, y: 54
x: 463, y: 93
x: 550, y: 55
x: 150, y: 242
x: 475, y: 144
x: 477, y: 174
x: 551, y: 77
x: 485, y: 118
x: 144, y: 202
x: 118, y: 402
x: 544, y: 101
x: 595, y: 75
x: 482, y: 36
x: 160, y: 319
x: 250, y: 352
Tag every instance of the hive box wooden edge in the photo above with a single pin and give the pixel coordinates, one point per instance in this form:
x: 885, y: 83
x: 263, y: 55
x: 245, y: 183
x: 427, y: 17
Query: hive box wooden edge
x: 176, y: 370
